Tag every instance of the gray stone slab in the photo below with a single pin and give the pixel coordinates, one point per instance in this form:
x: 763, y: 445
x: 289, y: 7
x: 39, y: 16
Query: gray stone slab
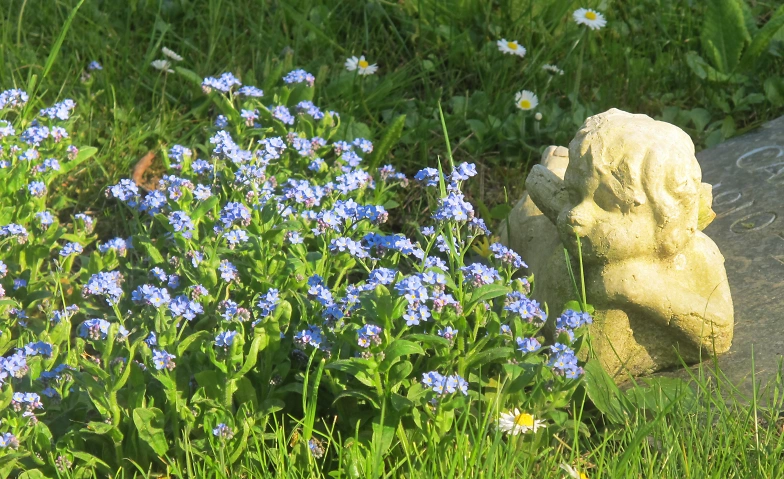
x: 747, y: 174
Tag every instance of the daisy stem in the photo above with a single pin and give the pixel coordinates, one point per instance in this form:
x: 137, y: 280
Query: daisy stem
x: 579, y: 75
x: 364, y: 104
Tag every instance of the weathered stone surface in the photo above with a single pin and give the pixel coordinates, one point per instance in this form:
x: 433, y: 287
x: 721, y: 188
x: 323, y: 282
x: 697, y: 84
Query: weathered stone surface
x: 747, y: 174
x: 632, y: 192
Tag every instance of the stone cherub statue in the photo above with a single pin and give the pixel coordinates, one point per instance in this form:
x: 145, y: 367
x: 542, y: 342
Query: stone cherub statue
x: 630, y: 188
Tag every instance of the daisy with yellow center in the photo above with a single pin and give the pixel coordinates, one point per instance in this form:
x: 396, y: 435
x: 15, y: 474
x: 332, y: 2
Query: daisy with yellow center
x: 526, y: 100
x: 361, y: 66
x: 552, y: 69
x: 511, y: 47
x: 574, y: 473
x: 590, y: 18
x: 516, y: 422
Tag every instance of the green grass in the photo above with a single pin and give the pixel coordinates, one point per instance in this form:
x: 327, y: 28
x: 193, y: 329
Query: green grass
x: 430, y: 52
x: 711, y: 432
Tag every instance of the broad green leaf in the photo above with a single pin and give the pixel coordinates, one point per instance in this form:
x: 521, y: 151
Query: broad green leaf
x: 89, y: 459
x: 762, y: 39
x: 204, y: 207
x: 724, y: 34
x: 660, y: 393
x: 500, y: 212
x: 700, y: 117
x: 32, y: 474
x: 195, y: 338
x: 399, y: 347
x: 431, y: 339
x: 487, y: 356
x: 384, y: 432
x: 357, y: 394
x: 603, y: 392
x: 210, y: 381
x: 6, y: 395
x: 362, y: 369
x: 84, y: 154
x: 246, y: 393
x: 103, y: 428
x: 189, y: 75
x: 774, y: 90
x: 260, y: 342
x: 485, y: 293
x: 400, y: 403
x: 143, y: 243
x: 149, y: 424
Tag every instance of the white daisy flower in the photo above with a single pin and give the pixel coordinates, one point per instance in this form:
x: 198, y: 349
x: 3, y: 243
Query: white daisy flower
x: 516, y: 422
x: 171, y: 54
x: 162, y: 65
x: 526, y: 100
x: 590, y: 18
x: 512, y: 47
x: 362, y: 65
x: 573, y: 473
x: 538, y: 116
x: 552, y: 69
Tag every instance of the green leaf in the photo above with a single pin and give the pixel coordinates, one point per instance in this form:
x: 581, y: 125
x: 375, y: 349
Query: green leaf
x: 189, y: 75
x: 204, y: 207
x: 724, y: 34
x: 103, y: 428
x: 143, y: 243
x: 84, y: 154
x: 55, y: 49
x: 500, y: 212
x: 149, y: 424
x: 300, y: 92
x: 399, y: 347
x: 400, y: 403
x: 362, y: 369
x: 704, y: 71
x: 197, y: 338
x: 352, y: 130
x: 210, y: 381
x: 89, y: 459
x: 429, y: 339
x: 260, y: 342
x: 485, y: 357
x: 388, y: 141
x: 774, y: 91
x: 399, y: 372
x: 604, y: 393
x: 485, y: 293
x: 700, y: 117
x: 660, y: 393
x: 6, y: 395
x: 384, y: 432
x: 32, y: 474
x: 762, y: 39
x: 246, y: 393
x: 357, y: 394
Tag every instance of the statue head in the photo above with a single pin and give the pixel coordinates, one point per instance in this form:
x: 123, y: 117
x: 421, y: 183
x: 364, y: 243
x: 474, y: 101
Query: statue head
x: 633, y: 188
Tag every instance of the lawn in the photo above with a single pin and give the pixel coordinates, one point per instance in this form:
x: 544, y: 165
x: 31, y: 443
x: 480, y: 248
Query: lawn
x: 248, y: 304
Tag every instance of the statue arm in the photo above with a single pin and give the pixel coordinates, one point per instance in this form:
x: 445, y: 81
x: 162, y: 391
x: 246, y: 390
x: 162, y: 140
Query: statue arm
x: 704, y: 322
x: 547, y: 191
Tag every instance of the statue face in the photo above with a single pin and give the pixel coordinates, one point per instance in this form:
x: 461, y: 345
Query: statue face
x: 609, y: 229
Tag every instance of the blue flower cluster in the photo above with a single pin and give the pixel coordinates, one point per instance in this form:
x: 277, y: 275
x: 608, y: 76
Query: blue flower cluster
x: 564, y: 361
x: 299, y: 76
x: 443, y: 385
x: 274, y: 224
x: 369, y: 335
